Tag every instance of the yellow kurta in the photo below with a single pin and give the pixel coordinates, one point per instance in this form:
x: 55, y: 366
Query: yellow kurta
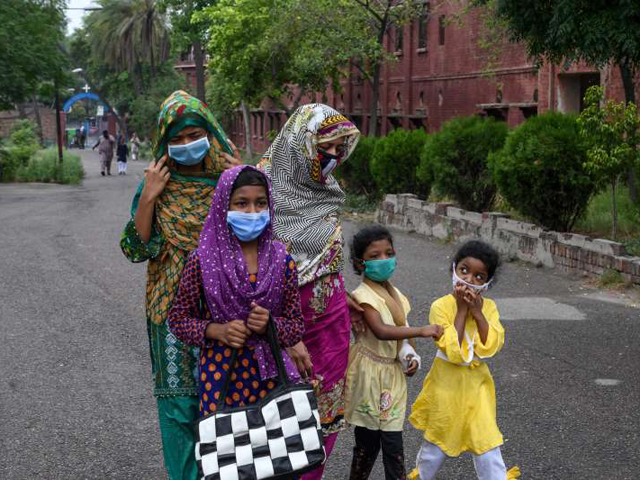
x: 376, y: 396
x: 456, y: 408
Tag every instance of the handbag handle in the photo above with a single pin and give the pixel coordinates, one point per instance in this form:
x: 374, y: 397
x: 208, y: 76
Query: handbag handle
x: 274, y: 344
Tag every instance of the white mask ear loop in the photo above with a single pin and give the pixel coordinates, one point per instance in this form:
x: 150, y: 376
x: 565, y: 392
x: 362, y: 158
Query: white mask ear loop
x: 457, y: 279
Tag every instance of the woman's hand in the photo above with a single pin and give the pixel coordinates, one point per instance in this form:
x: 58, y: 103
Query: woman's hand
x: 156, y: 176
x: 356, y: 312
x: 413, y: 367
x: 234, y: 333
x: 434, y: 331
x: 301, y: 358
x: 258, y: 318
x: 229, y: 161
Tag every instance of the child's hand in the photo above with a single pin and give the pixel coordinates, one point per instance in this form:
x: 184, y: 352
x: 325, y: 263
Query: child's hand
x: 459, y: 292
x: 235, y: 333
x: 412, y: 369
x: 434, y: 331
x: 473, y: 300
x: 258, y: 318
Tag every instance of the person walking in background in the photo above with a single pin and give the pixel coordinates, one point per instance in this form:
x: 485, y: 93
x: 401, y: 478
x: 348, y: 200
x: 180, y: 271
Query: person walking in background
x: 135, y: 146
x: 376, y: 399
x: 105, y: 144
x: 456, y: 409
x: 307, y: 201
x: 167, y: 214
x: 121, y: 154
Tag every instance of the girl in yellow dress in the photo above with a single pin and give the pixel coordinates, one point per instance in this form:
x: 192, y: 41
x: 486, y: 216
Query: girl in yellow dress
x: 456, y: 408
x: 376, y: 396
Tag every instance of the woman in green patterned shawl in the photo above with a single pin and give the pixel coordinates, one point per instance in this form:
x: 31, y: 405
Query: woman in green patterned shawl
x: 167, y: 214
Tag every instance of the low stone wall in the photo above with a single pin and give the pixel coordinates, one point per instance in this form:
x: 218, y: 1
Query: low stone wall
x: 572, y: 253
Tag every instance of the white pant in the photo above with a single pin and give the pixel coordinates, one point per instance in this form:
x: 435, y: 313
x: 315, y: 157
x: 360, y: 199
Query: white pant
x: 489, y: 465
x: 122, y: 167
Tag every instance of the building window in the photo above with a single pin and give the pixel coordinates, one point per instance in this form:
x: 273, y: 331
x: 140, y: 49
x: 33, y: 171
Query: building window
x: 441, y: 25
x: 399, y: 34
x: 422, y: 30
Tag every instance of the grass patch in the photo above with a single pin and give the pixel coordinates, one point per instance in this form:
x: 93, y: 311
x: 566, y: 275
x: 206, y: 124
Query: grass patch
x: 597, y: 220
x: 43, y: 167
x: 613, y: 279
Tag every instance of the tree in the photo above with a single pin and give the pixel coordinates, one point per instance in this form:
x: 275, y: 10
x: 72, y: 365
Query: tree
x: 612, y: 132
x: 188, y: 31
x: 269, y: 49
x: 29, y: 32
x: 370, y: 21
x: 598, y: 32
x: 128, y: 35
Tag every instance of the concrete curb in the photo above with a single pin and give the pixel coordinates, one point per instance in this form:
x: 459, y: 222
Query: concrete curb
x: 572, y: 253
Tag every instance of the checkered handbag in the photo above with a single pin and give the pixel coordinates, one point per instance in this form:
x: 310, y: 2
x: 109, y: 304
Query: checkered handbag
x: 275, y: 438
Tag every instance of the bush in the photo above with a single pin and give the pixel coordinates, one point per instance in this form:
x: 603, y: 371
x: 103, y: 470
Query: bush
x: 355, y: 173
x: 541, y: 172
x: 456, y: 157
x: 43, y: 167
x: 395, y: 160
x: 21, y: 147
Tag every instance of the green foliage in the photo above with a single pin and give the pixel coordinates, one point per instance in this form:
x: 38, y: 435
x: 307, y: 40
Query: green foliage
x: 144, y: 108
x: 355, y: 173
x: 456, y: 158
x: 611, y: 132
x: 395, y: 160
x: 44, y: 167
x: 556, y: 30
x: 22, y: 145
x: 30, y: 31
x: 541, y: 173
x: 596, y: 221
x: 126, y: 34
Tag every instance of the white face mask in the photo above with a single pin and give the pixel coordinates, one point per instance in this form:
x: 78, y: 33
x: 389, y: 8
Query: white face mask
x: 478, y: 288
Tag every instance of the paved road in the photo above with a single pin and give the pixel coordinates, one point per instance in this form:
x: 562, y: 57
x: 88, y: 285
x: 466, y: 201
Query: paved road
x: 75, y: 388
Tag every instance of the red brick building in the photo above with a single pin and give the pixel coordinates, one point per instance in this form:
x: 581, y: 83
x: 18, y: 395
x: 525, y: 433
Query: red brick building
x: 442, y: 72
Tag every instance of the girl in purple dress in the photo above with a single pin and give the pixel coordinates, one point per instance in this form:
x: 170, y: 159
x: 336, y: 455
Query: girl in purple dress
x: 231, y: 284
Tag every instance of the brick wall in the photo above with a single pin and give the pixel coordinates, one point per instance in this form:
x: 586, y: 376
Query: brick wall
x: 47, y: 115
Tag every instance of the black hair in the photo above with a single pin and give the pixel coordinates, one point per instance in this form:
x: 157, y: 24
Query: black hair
x: 361, y: 240
x: 105, y: 133
x: 481, y: 251
x: 249, y: 176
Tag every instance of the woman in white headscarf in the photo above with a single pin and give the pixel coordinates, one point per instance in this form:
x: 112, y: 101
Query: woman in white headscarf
x: 313, y: 143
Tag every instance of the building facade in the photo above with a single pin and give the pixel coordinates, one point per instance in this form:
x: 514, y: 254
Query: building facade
x: 441, y: 71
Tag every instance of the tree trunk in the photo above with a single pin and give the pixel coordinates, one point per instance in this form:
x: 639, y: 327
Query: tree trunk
x: 22, y: 112
x: 198, y: 56
x: 36, y: 112
x: 627, y: 75
x: 247, y: 129
x: 375, y: 95
x: 614, y: 209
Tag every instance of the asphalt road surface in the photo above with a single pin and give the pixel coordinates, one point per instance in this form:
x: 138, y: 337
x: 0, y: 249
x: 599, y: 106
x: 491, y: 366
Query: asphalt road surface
x: 75, y: 383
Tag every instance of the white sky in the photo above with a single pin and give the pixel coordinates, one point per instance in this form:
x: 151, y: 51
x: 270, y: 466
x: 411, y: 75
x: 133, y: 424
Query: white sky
x: 75, y: 16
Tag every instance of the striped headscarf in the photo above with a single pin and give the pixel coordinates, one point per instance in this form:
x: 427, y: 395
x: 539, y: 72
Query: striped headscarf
x: 306, y: 204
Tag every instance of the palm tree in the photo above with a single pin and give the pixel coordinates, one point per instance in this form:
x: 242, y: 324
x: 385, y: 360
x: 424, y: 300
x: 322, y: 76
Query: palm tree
x: 129, y: 34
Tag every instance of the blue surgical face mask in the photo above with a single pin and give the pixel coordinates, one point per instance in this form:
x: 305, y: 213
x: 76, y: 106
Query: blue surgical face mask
x: 191, y: 153
x: 380, y: 270
x: 248, y: 226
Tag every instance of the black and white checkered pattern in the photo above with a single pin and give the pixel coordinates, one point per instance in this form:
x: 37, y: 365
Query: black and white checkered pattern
x: 274, y: 438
